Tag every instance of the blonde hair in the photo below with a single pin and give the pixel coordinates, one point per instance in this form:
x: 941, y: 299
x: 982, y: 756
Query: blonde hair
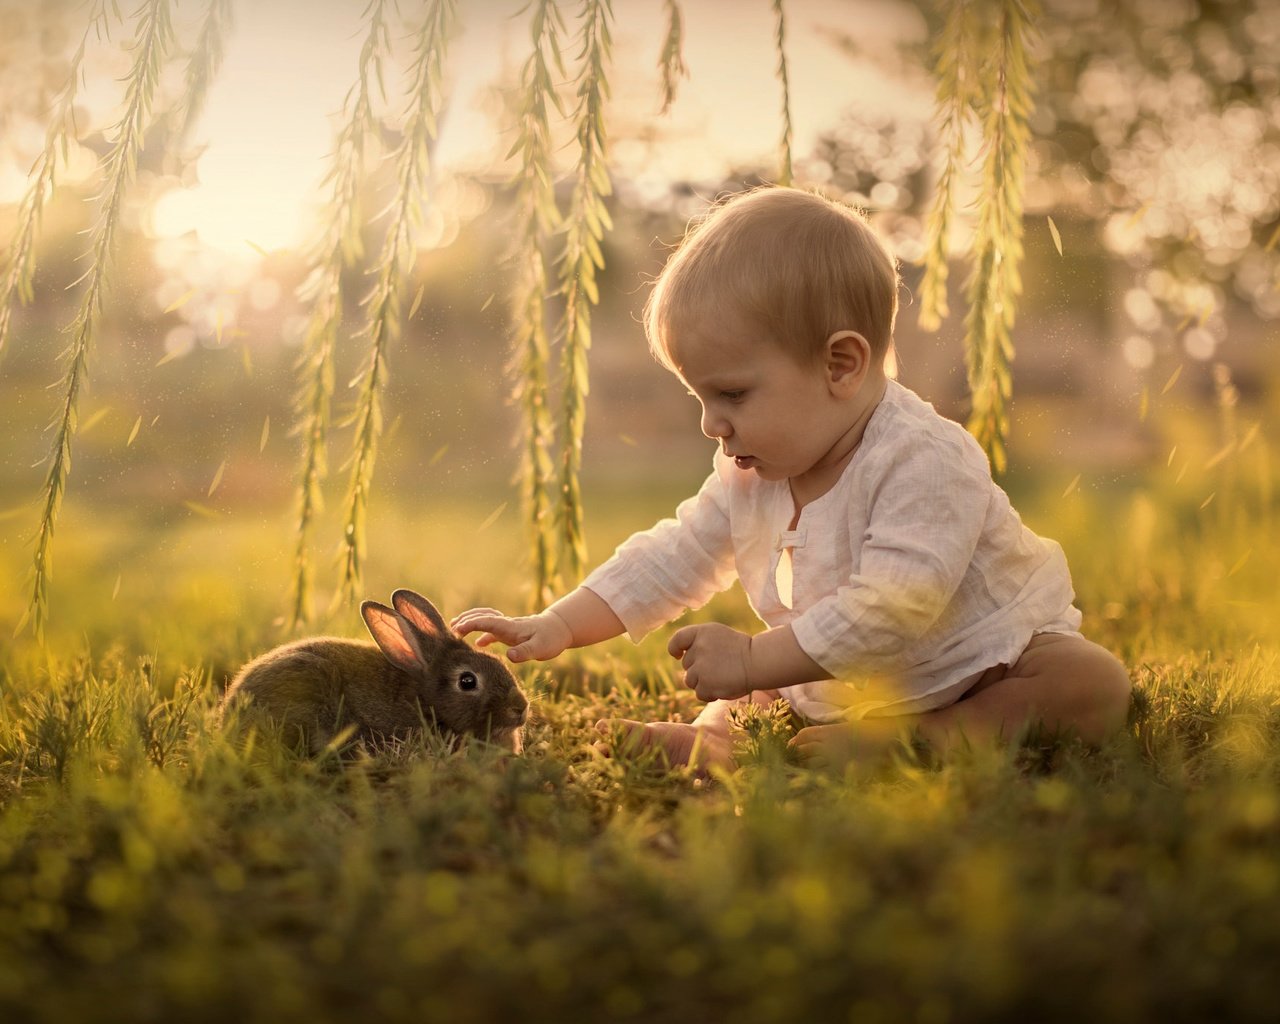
x: 797, y: 264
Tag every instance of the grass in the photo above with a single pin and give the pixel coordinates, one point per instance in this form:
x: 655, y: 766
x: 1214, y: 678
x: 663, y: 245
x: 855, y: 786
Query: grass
x: 151, y: 870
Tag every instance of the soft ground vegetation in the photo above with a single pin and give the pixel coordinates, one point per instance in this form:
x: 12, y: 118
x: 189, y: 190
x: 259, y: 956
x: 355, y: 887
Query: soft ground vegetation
x: 152, y: 870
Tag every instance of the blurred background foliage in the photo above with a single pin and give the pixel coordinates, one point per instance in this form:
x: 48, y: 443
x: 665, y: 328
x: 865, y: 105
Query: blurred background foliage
x: 1155, y: 142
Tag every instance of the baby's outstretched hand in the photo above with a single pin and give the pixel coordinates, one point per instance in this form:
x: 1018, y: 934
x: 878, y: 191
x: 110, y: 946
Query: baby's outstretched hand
x: 540, y: 637
x: 715, y: 660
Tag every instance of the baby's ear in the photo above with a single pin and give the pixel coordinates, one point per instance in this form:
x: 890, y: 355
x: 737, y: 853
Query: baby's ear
x: 848, y: 355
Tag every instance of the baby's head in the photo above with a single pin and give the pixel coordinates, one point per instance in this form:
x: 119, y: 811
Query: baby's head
x: 797, y: 267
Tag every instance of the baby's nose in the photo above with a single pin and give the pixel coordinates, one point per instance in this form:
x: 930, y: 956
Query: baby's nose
x: 714, y: 426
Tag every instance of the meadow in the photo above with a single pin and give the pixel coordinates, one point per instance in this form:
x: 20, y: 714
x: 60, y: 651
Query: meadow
x: 155, y: 868
x: 150, y: 869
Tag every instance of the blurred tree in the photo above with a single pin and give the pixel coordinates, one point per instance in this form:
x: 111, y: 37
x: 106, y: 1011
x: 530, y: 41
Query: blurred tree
x: 1158, y: 120
x: 1162, y: 120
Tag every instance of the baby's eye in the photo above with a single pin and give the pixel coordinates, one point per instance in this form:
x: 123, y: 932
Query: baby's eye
x: 733, y: 396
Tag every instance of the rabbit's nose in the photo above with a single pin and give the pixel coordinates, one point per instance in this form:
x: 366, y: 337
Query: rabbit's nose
x: 520, y: 710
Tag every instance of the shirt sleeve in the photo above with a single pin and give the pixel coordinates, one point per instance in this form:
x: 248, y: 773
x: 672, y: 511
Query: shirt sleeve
x: 928, y: 508
x: 679, y: 564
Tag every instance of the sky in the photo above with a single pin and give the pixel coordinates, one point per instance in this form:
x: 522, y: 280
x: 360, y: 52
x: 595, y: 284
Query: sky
x: 271, y: 114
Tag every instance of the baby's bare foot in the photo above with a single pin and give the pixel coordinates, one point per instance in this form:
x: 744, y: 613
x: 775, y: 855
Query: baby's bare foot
x: 680, y: 743
x: 865, y: 744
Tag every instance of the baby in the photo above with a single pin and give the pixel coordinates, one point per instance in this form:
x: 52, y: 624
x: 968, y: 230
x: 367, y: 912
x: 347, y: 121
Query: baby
x: 903, y: 595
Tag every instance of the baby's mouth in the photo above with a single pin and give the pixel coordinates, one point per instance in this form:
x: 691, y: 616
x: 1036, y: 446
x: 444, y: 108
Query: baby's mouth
x: 744, y: 461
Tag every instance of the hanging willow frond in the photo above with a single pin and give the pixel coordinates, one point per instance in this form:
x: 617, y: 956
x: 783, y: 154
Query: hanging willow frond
x: 155, y: 36
x: 671, y: 61
x: 996, y: 282
x: 384, y: 300
x: 537, y: 216
x: 956, y: 69
x: 20, y: 267
x: 784, y: 145
x: 586, y: 224
x: 335, y: 250
x: 204, y: 62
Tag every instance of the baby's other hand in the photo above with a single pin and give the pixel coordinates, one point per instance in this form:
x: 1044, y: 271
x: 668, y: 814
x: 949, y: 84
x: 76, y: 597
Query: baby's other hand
x: 715, y: 660
x: 540, y: 637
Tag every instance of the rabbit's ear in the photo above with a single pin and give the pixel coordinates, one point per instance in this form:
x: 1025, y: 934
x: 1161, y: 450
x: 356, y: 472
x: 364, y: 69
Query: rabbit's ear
x: 393, y: 636
x: 422, y: 613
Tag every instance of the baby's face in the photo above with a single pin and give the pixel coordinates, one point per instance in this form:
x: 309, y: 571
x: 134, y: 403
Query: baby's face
x: 772, y: 414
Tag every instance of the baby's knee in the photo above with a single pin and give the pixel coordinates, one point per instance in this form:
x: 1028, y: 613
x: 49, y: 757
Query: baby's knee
x: 1103, y: 687
x: 1107, y: 674
x: 1084, y: 679
x: 1074, y: 661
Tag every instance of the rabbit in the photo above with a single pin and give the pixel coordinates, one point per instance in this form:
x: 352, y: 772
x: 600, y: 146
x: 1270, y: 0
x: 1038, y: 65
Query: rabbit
x: 417, y: 669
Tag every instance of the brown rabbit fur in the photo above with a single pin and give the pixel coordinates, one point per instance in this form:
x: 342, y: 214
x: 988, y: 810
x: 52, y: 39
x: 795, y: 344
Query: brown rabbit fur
x: 416, y: 670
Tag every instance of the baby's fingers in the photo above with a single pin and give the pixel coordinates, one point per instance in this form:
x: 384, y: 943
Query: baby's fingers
x: 494, y: 623
x: 518, y: 653
x: 681, y: 640
x: 809, y: 749
x: 532, y: 647
x: 463, y: 618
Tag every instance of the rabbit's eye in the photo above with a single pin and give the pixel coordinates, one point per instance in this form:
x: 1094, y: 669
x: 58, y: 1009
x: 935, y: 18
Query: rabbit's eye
x: 468, y: 681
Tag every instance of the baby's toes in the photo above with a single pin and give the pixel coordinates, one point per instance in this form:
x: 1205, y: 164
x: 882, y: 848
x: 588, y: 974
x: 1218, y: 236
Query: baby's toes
x: 622, y: 736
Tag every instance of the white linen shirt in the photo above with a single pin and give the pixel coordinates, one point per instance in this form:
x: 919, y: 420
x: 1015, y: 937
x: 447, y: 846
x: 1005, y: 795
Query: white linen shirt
x: 911, y: 576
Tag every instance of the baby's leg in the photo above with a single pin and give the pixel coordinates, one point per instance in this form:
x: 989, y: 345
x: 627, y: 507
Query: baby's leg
x: 1062, y: 682
x: 702, y: 743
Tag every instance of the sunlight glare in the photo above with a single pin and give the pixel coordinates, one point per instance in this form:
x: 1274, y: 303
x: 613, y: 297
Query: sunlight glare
x: 229, y: 219
x: 264, y: 293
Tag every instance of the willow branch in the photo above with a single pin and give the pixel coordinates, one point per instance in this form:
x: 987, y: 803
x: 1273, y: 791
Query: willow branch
x: 671, y: 60
x: 537, y: 216
x: 784, y: 145
x: 996, y: 281
x: 335, y: 250
x: 956, y: 70
x: 155, y: 36
x: 20, y: 267
x: 582, y: 255
x: 383, y: 303
x: 204, y: 62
